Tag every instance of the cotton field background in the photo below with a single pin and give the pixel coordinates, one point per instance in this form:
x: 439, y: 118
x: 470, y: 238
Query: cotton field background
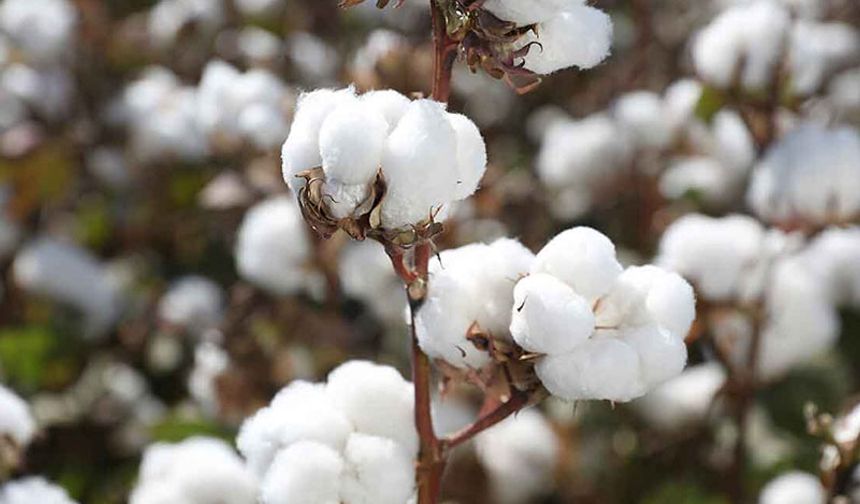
x: 429, y: 251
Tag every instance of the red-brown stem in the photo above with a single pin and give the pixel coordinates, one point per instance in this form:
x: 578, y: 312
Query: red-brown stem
x: 517, y: 402
x: 445, y: 53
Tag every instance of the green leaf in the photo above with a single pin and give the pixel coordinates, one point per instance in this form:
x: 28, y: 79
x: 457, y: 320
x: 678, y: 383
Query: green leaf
x: 709, y: 104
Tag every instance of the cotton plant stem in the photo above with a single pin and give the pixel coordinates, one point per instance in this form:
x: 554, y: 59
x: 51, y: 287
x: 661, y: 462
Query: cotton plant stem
x: 445, y: 53
x: 518, y: 401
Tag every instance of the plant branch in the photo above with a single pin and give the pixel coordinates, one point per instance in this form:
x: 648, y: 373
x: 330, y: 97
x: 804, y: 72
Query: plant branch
x: 445, y: 53
x: 518, y: 401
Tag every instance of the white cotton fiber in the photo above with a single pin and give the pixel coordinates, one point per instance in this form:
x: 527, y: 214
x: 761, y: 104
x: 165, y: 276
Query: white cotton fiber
x: 16, y: 421
x: 31, y: 490
x: 794, y: 487
x: 377, y: 471
x: 305, y: 473
x: 351, y: 142
x: 579, y: 36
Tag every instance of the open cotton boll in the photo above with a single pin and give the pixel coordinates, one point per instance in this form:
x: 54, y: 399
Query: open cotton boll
x: 16, y: 421
x: 801, y: 321
x: 210, y: 361
x: 365, y: 274
x: 391, y: 104
x: 471, y: 155
x: 301, y: 411
x: 583, y: 258
x: 641, y: 115
x: 750, y: 35
x: 680, y: 101
x: 515, y: 11
x: 199, y: 470
x: 520, y: 455
x: 548, y: 316
x: 470, y: 285
x: 684, y: 399
x: 193, y: 302
x: 717, y: 255
x: 169, y: 17
x: 817, y: 49
x: 420, y: 165
x: 32, y: 490
x: 377, y: 471
x: 273, y: 248
x: 305, y: 473
x: 301, y: 150
x: 579, y: 36
x: 600, y: 368
x: 351, y: 141
x: 69, y: 275
x: 257, y: 7
x: 701, y: 176
x: 835, y: 256
x: 43, y: 29
x: 811, y: 175
x: 794, y: 487
x: 376, y: 400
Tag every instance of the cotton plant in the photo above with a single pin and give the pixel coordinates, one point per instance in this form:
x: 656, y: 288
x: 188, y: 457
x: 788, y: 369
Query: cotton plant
x: 349, y: 440
x: 194, y: 303
x: 198, y: 470
x: 43, y: 29
x: 684, y: 400
x: 33, y: 489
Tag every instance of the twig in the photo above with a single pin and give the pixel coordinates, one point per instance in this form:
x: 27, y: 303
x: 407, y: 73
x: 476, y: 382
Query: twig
x: 518, y: 401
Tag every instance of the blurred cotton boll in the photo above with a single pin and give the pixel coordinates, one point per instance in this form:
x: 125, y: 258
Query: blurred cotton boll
x: 817, y: 49
x: 520, y: 455
x: 169, y: 17
x: 43, y: 29
x: 366, y: 275
x: 70, y: 275
x: 810, y: 177
x: 16, y: 421
x: 684, y: 400
x: 198, y: 470
x: 273, y: 248
x: 31, y: 490
x: 794, y: 487
x: 193, y: 302
x: 350, y: 440
x: 210, y: 361
x: 470, y: 288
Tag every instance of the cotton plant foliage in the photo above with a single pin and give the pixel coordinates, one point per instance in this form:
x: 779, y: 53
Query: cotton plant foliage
x: 428, y: 157
x: 350, y: 440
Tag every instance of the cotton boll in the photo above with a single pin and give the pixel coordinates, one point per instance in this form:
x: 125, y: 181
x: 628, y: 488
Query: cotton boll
x: 257, y: 7
x: 471, y: 155
x: 378, y: 471
x: 210, y: 361
x: 810, y: 175
x: 601, y: 368
x: 194, y: 302
x: 701, y: 176
x: 548, y: 316
x: 842, y: 90
x: 301, y: 151
x: 641, y: 115
x: 31, y: 490
x: 305, y: 473
x: 579, y: 36
x: 583, y: 258
x: 273, y: 247
x: 351, y: 141
x: 69, y: 275
x: 834, y: 255
x: 794, y: 487
x: 817, y: 49
x: 752, y: 35
x: 16, y: 421
x: 680, y: 101
x: 420, y: 165
x: 391, y: 104
x: 684, y: 399
x: 376, y: 399
x: 43, y: 29
x: 198, y: 470
x: 169, y: 17
x: 302, y: 411
x: 662, y: 355
x: 515, y: 11
x: 314, y: 59
x: 365, y: 274
x: 520, y: 455
x: 733, y: 144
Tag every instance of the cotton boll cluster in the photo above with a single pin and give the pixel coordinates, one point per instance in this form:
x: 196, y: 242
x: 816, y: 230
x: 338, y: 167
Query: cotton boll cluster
x: 745, y: 40
x: 43, y: 29
x: 567, y: 33
x: 192, y: 302
x: 810, y: 177
x: 16, y: 421
x: 273, y: 249
x: 470, y: 288
x: 429, y: 158
x: 817, y: 49
x: 520, y: 456
x: 31, y: 490
x: 161, y: 115
x: 365, y: 274
x: 250, y: 105
x: 683, y: 400
x: 71, y: 276
x: 168, y: 18
x: 603, y: 332
x: 350, y: 440
x: 795, y: 487
x: 198, y: 470
x: 726, y: 258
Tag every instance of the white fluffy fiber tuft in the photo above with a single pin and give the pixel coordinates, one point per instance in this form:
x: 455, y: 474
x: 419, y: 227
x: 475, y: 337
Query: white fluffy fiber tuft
x: 16, y: 421
x: 33, y: 490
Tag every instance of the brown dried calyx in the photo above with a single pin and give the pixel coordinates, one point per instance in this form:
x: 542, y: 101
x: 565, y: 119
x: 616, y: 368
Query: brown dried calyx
x: 365, y: 221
